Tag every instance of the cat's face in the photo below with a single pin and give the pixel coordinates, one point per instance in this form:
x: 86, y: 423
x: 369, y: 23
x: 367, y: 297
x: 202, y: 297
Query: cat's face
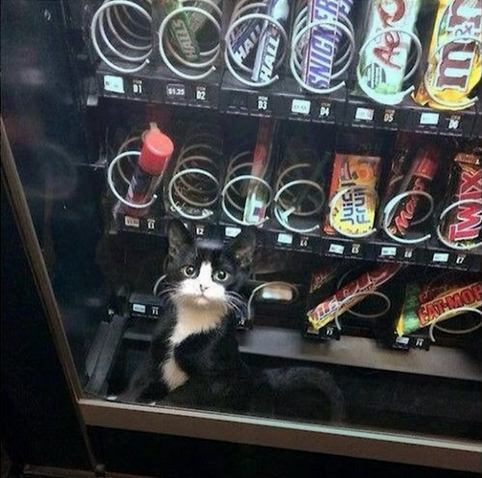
x: 207, y: 278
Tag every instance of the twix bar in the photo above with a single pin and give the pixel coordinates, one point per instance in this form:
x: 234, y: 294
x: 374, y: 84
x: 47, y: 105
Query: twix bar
x: 464, y: 222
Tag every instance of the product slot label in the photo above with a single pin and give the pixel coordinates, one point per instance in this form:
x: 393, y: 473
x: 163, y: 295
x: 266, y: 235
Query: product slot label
x: 304, y: 242
x: 263, y: 103
x: 201, y: 94
x: 138, y: 88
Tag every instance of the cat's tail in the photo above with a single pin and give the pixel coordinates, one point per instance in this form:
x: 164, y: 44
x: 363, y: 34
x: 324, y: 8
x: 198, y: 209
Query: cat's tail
x: 306, y: 392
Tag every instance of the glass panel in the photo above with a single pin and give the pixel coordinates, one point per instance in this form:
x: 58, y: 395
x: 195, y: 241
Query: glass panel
x: 341, y: 299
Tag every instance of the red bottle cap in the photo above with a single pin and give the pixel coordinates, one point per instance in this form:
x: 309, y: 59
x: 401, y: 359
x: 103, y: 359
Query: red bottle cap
x: 156, y: 151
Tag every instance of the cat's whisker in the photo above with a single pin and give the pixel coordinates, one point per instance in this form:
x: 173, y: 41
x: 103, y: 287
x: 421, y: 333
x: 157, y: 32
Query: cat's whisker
x: 236, y: 298
x: 236, y: 303
x: 167, y: 289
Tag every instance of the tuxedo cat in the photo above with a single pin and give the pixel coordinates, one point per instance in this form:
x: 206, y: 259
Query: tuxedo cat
x: 194, y: 360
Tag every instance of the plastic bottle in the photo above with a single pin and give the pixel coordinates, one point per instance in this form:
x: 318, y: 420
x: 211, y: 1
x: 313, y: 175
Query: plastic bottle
x: 157, y: 149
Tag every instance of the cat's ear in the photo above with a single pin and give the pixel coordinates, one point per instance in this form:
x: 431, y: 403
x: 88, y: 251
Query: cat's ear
x: 179, y: 238
x: 243, y: 247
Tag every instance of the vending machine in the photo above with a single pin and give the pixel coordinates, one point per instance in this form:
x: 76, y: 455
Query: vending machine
x: 247, y: 223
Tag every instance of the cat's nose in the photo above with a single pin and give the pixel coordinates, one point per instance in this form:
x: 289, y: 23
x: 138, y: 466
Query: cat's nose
x: 203, y: 287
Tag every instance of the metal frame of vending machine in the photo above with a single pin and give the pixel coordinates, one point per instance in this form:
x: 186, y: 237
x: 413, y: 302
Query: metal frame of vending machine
x: 58, y: 102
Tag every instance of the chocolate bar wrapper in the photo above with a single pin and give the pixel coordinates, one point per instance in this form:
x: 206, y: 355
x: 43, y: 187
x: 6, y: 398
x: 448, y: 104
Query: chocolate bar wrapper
x: 383, y: 61
x: 323, y: 42
x: 453, y: 68
x: 354, y: 211
x: 439, y: 286
x: 351, y: 294
x: 181, y: 32
x: 257, y: 196
x: 324, y: 281
x: 269, y: 43
x: 419, y: 178
x: 397, y: 171
x: 417, y: 315
x: 464, y: 222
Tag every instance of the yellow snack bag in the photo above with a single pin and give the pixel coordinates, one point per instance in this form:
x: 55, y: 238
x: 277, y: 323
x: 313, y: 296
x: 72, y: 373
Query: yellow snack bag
x: 353, y: 199
x: 454, y: 60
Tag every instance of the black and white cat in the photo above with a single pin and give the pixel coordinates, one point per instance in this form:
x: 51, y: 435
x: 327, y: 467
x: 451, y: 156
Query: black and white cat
x: 194, y: 359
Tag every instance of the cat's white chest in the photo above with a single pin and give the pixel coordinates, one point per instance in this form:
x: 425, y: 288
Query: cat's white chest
x: 174, y: 376
x: 190, y: 322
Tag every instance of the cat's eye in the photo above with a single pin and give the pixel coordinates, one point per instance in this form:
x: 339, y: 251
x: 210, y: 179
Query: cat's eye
x: 220, y: 275
x: 189, y: 271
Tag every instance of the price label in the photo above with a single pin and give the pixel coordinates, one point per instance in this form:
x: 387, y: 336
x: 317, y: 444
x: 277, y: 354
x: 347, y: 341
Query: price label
x: 302, y: 107
x: 141, y: 308
x: 115, y: 84
x: 131, y: 221
x: 175, y: 91
x: 336, y: 249
x: 201, y: 93
x: 284, y: 238
x: 388, y: 251
x: 440, y: 257
x: 231, y: 231
x: 429, y: 119
x: 364, y: 114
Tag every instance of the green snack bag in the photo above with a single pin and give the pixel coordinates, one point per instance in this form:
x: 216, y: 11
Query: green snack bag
x: 181, y: 32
